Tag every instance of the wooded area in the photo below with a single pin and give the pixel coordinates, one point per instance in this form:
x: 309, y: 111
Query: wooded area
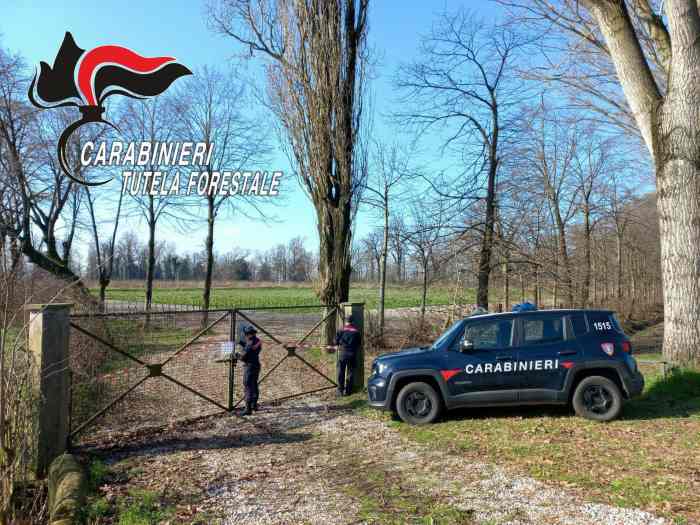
x: 546, y: 195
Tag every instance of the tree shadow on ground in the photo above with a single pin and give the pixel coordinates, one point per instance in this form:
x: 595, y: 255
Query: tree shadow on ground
x: 174, y: 444
x: 272, y: 425
x: 676, y: 396
x: 522, y: 411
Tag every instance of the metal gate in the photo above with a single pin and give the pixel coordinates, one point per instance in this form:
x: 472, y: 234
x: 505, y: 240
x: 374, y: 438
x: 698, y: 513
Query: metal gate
x: 136, y: 370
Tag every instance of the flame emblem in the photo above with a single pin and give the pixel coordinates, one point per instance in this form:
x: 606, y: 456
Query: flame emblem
x: 86, y: 78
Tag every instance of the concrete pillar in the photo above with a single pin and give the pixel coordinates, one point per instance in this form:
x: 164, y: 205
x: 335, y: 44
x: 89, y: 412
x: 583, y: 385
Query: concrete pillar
x: 357, y: 312
x: 49, y: 330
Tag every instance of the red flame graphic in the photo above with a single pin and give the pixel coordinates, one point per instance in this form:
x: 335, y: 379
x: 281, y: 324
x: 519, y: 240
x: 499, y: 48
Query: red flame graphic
x: 109, y: 55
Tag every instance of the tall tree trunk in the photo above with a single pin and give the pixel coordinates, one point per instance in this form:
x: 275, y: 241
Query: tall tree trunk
x: 606, y: 288
x: 484, y: 272
x: 334, y: 258
x: 564, y: 258
x: 555, y: 296
x: 633, y: 281
x: 106, y: 274
x: 586, y: 287
x: 671, y: 130
x: 679, y: 217
x: 678, y: 191
x: 151, y: 267
x: 209, y: 248
x: 424, y: 292
x: 104, y: 283
x: 506, y: 286
x: 382, y: 268
x: 595, y: 284
x: 618, y: 247
x: 536, y: 288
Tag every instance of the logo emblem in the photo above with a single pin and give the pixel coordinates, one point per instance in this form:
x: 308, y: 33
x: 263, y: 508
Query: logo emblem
x: 608, y: 348
x: 86, y: 78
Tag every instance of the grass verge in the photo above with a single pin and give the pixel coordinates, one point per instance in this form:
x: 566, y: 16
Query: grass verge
x: 384, y: 497
x: 131, y: 506
x: 648, y: 459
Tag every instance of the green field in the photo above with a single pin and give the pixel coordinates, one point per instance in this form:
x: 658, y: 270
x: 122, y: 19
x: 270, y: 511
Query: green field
x: 229, y: 297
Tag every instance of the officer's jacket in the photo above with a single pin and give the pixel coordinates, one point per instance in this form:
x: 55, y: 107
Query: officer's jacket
x: 348, y: 339
x: 251, y: 352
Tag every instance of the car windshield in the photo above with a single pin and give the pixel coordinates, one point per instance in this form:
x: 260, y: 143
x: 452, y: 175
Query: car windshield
x: 448, y: 336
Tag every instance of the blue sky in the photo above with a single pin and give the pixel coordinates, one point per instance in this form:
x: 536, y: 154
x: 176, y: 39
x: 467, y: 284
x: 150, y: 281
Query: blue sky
x: 178, y: 28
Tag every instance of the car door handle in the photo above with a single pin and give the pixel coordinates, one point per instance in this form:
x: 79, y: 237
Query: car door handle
x: 567, y: 352
x: 504, y: 358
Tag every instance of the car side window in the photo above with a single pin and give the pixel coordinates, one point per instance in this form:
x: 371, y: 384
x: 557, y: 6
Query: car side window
x: 578, y: 323
x: 488, y: 335
x: 542, y: 330
x: 603, y: 322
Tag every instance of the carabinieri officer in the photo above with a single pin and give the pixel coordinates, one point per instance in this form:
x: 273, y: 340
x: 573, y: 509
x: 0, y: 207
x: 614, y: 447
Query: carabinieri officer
x: 250, y: 356
x: 347, y: 343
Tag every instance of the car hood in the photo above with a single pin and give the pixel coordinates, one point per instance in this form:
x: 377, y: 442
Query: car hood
x: 405, y: 352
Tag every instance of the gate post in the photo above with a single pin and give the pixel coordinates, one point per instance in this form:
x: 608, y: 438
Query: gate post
x: 357, y: 311
x: 232, y: 360
x: 48, y: 335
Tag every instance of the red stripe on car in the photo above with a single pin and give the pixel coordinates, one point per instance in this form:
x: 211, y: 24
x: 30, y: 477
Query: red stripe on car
x: 447, y: 374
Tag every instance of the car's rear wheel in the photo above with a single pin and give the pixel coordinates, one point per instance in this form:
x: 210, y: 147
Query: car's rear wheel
x: 418, y: 404
x: 597, y: 398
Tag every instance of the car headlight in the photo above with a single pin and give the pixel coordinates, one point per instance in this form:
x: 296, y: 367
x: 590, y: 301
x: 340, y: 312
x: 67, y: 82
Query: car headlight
x: 381, y: 368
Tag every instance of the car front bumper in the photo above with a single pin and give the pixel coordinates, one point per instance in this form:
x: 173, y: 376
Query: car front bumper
x: 377, y: 389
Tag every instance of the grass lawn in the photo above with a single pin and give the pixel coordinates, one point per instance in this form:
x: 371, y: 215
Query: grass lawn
x: 226, y: 297
x: 648, y: 459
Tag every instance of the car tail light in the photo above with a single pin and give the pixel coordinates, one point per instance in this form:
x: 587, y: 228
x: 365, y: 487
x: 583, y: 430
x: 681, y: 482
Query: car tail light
x: 627, y: 347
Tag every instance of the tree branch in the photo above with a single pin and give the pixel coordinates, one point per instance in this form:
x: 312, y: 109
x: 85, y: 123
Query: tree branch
x: 633, y: 71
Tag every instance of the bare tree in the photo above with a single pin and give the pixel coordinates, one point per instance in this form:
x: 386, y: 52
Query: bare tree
x: 551, y: 156
x: 388, y: 169
x: 463, y: 85
x: 616, y: 199
x: 215, y: 111
x: 39, y: 205
x: 104, y: 251
x: 397, y: 233
x: 595, y: 160
x: 151, y: 121
x: 426, y: 235
x: 316, y: 78
x: 371, y: 246
x: 656, y: 64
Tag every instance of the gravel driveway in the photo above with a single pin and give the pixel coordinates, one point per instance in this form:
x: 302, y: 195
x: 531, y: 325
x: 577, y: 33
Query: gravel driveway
x: 309, y: 462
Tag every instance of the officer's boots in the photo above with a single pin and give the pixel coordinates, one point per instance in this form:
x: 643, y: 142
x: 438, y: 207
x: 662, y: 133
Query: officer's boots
x: 248, y: 410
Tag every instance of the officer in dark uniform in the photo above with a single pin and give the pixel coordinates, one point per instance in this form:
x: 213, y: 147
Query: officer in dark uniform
x: 250, y: 356
x: 347, y: 343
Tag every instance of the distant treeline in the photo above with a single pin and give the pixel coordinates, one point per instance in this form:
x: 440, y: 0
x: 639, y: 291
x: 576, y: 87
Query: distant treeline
x: 283, y: 263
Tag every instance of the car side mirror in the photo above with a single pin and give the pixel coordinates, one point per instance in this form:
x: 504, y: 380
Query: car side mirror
x: 466, y: 345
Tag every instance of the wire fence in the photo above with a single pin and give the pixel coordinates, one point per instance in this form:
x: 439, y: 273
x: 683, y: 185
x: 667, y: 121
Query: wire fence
x: 137, y: 369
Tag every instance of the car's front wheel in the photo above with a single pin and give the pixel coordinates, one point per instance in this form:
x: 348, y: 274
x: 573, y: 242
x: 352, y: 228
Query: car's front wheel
x: 418, y: 404
x: 597, y: 398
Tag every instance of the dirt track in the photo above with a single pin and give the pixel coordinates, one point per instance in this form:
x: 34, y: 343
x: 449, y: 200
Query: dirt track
x: 309, y: 462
